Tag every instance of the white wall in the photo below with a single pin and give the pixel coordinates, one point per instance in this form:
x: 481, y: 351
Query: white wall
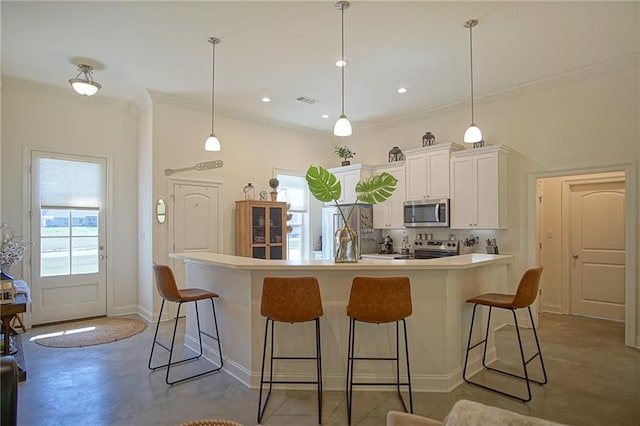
x: 59, y: 120
x: 574, y: 124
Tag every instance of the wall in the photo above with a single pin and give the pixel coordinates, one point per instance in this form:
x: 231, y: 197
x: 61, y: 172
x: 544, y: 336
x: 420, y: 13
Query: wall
x: 59, y: 120
x: 585, y: 122
x: 174, y: 138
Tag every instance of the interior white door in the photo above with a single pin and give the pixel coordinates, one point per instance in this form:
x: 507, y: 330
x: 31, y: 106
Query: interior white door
x: 598, y: 250
x: 68, y: 228
x: 196, y: 220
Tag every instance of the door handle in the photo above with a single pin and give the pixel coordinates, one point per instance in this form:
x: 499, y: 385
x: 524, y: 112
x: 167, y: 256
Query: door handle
x: 575, y: 256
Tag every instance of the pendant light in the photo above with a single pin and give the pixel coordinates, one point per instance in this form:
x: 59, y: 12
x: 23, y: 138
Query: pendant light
x: 342, y: 126
x: 473, y: 134
x: 212, y: 143
x: 85, y: 86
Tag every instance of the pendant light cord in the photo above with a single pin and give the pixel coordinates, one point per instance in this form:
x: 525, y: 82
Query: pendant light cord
x: 343, y: 63
x: 213, y: 82
x: 471, y: 57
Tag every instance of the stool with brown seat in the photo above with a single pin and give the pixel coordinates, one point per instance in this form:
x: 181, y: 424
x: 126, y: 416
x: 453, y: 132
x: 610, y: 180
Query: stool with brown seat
x: 523, y: 298
x: 168, y: 289
x: 290, y: 300
x: 379, y: 300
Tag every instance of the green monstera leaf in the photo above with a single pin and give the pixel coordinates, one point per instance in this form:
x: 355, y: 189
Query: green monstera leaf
x: 376, y: 189
x: 323, y: 184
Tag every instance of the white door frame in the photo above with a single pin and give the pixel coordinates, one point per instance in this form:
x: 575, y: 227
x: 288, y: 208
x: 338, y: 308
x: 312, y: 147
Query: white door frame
x: 631, y: 257
x: 27, y: 217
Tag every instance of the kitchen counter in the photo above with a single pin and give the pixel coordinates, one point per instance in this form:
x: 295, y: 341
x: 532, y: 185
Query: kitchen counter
x: 437, y: 328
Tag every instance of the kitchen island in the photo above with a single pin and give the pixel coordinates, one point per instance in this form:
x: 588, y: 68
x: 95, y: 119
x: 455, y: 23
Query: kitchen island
x: 437, y: 329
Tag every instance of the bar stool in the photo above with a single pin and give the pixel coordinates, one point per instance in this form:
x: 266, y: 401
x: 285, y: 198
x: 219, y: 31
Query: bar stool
x: 524, y: 297
x: 378, y: 300
x: 166, y: 285
x: 292, y: 300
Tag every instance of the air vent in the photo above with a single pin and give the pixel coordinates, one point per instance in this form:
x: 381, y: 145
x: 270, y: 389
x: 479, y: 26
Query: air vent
x: 306, y: 100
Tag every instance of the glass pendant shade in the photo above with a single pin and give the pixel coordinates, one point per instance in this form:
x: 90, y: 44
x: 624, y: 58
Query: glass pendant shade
x: 212, y: 143
x: 85, y: 85
x: 342, y: 126
x: 473, y: 134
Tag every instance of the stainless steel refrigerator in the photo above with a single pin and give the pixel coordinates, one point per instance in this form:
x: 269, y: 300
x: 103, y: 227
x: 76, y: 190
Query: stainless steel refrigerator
x: 361, y: 221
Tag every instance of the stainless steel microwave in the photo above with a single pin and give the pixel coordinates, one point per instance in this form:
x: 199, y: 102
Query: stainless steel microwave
x: 426, y: 213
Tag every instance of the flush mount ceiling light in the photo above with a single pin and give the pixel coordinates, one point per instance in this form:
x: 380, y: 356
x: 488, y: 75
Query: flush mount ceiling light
x: 212, y: 143
x: 342, y: 126
x: 85, y: 86
x: 473, y: 134
x: 402, y: 90
x: 341, y: 63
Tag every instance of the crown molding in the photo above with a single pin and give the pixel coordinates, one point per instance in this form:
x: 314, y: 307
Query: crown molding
x: 560, y: 79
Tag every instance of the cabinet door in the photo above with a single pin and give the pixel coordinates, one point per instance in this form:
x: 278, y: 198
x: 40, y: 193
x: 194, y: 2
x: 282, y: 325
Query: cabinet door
x: 276, y: 233
x: 437, y: 180
x: 488, y: 199
x: 389, y: 214
x: 416, y: 176
x: 259, y: 232
x: 349, y: 180
x: 463, y: 211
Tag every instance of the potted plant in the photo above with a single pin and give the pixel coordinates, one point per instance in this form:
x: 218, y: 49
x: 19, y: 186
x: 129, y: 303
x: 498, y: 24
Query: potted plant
x: 326, y: 187
x: 345, y: 153
x: 274, y: 183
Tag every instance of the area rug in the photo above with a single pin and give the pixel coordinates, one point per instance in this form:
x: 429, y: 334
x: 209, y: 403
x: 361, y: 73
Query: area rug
x: 89, y: 332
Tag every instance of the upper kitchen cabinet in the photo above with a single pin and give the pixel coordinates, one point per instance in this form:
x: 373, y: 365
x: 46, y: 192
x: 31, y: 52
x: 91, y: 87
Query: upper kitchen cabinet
x: 427, y: 171
x: 349, y: 176
x: 479, y: 188
x: 388, y: 214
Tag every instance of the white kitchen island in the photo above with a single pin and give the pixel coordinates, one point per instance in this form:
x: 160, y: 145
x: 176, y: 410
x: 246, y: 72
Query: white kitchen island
x: 438, y: 328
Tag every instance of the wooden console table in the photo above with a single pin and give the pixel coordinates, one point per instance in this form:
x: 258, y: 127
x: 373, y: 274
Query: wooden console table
x: 8, y: 311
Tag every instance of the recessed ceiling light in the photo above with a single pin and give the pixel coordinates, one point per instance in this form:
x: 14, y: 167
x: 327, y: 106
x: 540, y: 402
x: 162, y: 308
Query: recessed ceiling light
x: 402, y: 90
x: 341, y: 63
x: 325, y: 116
x: 265, y: 99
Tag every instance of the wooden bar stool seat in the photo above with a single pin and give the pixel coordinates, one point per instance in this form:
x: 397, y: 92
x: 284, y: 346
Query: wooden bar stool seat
x: 379, y: 300
x: 523, y: 298
x: 290, y: 300
x: 168, y: 289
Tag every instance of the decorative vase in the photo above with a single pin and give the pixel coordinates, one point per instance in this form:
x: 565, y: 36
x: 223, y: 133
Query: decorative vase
x: 274, y: 196
x: 346, y: 163
x: 347, y: 245
x: 4, y: 275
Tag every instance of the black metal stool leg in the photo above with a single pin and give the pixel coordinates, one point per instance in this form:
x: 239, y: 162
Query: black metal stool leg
x: 319, y: 369
x: 524, y: 361
x: 406, y: 347
x: 264, y: 354
x: 155, y: 336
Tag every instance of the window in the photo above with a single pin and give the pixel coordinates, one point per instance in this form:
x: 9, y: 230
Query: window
x: 69, y: 217
x: 293, y: 189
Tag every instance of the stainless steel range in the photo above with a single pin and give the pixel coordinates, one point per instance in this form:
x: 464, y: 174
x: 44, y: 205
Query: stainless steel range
x: 436, y: 248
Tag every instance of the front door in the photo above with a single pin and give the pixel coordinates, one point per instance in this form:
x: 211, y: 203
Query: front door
x: 598, y: 250
x: 196, y: 220
x: 68, y: 228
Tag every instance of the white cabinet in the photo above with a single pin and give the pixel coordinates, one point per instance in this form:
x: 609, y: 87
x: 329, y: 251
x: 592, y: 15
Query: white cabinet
x: 479, y: 188
x: 389, y: 214
x: 349, y: 176
x: 427, y: 172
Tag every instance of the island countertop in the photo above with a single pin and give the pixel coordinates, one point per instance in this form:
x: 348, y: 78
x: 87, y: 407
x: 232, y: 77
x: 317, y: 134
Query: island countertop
x: 437, y: 328
x: 465, y: 261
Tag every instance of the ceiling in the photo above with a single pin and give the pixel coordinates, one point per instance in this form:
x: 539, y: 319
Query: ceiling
x: 288, y: 49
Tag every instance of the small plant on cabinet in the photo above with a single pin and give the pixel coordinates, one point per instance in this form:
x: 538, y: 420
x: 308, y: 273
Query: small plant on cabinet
x: 345, y: 154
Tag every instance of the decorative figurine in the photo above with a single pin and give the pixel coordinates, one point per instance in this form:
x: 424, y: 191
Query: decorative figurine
x: 395, y: 154
x: 428, y: 139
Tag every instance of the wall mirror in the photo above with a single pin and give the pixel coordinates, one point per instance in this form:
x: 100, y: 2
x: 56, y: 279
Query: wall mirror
x: 161, y: 211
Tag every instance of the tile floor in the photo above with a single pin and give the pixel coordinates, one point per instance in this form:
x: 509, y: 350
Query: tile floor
x: 593, y: 380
